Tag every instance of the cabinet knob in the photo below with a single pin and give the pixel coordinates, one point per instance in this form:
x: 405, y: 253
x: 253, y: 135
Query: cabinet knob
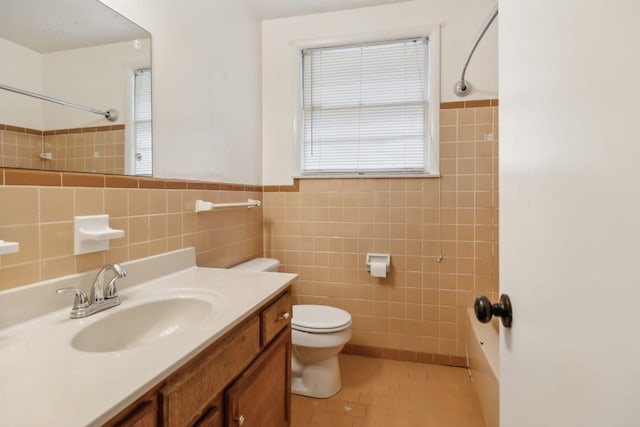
x: 239, y: 420
x: 284, y: 316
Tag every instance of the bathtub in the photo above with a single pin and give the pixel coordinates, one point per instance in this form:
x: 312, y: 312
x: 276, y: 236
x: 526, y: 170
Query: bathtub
x: 483, y: 358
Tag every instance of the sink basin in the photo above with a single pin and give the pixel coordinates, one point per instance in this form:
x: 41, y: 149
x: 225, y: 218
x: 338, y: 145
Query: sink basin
x: 143, y: 324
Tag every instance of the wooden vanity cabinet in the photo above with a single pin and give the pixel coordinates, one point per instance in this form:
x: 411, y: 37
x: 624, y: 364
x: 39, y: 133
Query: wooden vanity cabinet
x: 144, y: 414
x: 189, y: 393
x: 260, y: 396
x: 274, y: 318
x: 246, y: 373
x: 213, y: 415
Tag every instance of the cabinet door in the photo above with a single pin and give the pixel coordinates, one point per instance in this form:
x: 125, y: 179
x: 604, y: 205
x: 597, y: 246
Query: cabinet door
x: 261, y: 397
x: 212, y: 417
x: 190, y: 391
x: 145, y: 415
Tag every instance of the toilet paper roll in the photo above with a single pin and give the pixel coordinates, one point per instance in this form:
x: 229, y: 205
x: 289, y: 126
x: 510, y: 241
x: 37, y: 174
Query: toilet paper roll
x: 378, y: 269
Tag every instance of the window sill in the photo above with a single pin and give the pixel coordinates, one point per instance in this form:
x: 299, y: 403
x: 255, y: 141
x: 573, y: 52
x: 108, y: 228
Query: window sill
x: 368, y: 175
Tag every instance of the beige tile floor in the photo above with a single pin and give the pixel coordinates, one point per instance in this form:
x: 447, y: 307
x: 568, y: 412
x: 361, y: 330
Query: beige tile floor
x: 389, y: 393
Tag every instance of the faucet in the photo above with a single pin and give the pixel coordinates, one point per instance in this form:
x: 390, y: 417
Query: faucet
x: 98, y: 292
x: 100, y: 298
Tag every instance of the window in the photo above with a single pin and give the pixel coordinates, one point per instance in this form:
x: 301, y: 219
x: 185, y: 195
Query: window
x: 142, y: 123
x: 365, y: 109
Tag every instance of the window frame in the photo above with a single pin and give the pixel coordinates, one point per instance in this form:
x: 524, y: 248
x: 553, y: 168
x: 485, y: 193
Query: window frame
x: 135, y: 122
x: 432, y: 110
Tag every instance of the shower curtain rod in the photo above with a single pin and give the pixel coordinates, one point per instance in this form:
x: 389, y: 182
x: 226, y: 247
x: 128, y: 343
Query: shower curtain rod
x: 462, y: 88
x: 111, y: 115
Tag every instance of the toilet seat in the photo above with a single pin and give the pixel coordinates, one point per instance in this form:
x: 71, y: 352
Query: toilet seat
x: 319, y: 319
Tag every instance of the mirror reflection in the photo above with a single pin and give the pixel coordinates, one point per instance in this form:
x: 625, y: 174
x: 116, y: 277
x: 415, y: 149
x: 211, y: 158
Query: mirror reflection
x: 90, y: 63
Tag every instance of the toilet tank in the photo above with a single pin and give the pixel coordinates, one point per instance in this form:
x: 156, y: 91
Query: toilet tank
x: 258, y: 264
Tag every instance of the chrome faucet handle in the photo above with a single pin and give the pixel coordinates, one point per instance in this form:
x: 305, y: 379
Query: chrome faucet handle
x: 81, y: 300
x: 111, y: 291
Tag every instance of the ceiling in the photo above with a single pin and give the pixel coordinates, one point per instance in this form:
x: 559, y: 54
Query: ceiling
x: 271, y: 9
x: 67, y: 24
x: 72, y: 24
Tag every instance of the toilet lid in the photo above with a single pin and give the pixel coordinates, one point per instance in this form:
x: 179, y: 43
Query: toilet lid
x: 319, y: 318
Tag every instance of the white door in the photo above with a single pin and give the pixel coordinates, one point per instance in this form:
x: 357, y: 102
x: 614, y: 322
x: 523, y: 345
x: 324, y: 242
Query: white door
x: 570, y: 212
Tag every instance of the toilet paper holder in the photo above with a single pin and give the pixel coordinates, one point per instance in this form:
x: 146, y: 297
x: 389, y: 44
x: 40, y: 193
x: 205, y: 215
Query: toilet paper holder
x: 386, y: 258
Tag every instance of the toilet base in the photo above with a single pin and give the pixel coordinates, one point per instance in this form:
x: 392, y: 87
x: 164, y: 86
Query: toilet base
x: 320, y: 379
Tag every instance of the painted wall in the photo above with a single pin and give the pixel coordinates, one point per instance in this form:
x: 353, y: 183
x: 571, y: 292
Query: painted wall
x: 206, y: 87
x: 460, y: 20
x: 99, y: 77
x: 23, y: 69
x: 569, y: 209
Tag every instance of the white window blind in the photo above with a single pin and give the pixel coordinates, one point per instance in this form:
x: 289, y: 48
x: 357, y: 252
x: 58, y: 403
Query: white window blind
x: 142, y: 123
x: 364, y: 108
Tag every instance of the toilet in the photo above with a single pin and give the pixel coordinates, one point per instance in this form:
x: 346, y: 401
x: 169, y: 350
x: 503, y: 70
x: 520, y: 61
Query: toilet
x: 258, y: 264
x: 318, y: 333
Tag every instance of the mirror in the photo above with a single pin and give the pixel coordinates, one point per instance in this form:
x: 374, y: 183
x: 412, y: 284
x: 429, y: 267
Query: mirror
x: 80, y: 52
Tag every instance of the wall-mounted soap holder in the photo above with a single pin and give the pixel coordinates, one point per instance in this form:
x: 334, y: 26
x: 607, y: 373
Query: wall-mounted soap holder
x: 92, y: 234
x: 9, y: 247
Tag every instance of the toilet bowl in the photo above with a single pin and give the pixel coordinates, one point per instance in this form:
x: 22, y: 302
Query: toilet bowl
x: 318, y: 333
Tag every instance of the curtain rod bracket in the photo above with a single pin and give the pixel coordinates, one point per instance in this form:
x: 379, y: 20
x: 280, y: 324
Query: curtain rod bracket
x: 111, y: 115
x: 462, y: 88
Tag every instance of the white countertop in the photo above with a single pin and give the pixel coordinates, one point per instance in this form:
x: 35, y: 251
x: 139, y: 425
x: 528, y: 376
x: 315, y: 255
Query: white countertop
x: 45, y: 381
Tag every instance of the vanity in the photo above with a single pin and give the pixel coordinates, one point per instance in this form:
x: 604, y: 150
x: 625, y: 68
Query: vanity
x: 188, y: 346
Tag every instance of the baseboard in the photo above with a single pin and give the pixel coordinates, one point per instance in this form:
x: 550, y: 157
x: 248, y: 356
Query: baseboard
x: 405, y: 355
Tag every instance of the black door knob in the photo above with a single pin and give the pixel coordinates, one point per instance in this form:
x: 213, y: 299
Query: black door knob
x: 485, y: 310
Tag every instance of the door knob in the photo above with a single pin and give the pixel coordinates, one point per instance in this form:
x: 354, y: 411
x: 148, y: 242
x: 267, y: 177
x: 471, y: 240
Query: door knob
x: 485, y: 310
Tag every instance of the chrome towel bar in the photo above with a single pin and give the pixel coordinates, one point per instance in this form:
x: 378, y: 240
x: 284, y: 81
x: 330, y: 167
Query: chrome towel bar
x: 202, y: 206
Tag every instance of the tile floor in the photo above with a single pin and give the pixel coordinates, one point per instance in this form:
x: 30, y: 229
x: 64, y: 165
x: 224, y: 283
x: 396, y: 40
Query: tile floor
x: 389, y: 393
